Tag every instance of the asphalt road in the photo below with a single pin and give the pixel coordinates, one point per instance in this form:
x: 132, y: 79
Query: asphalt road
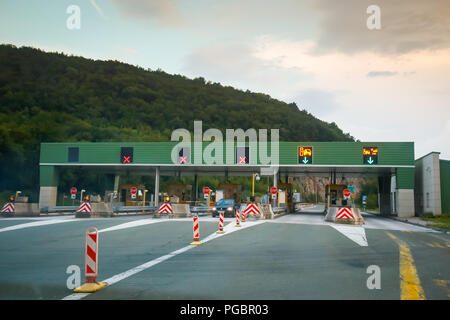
x: 297, y: 256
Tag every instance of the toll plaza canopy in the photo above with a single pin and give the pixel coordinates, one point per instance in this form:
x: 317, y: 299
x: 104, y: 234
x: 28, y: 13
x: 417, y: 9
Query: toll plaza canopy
x: 392, y: 162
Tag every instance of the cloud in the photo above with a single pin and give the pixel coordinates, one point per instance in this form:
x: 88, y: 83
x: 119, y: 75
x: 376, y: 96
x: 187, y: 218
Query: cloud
x: 317, y: 102
x: 163, y: 12
x: 236, y: 64
x: 373, y: 74
x: 405, y: 26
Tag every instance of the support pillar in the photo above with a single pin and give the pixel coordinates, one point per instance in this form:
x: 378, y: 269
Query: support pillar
x: 195, y: 187
x: 384, y: 195
x: 48, y: 179
x: 157, y: 187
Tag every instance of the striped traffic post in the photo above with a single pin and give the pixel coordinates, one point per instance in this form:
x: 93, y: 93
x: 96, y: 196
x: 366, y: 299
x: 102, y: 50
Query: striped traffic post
x: 196, y: 232
x: 220, y: 223
x: 91, y: 263
x: 243, y: 216
x: 237, y: 219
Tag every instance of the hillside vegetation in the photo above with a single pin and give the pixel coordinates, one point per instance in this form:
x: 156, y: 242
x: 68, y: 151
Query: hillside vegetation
x: 52, y: 97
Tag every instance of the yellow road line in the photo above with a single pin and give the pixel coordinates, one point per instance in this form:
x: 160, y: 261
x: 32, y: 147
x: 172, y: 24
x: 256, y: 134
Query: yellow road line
x: 410, y: 287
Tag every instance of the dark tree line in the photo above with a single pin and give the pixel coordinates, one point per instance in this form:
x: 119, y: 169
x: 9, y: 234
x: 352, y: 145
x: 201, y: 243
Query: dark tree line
x: 52, y: 97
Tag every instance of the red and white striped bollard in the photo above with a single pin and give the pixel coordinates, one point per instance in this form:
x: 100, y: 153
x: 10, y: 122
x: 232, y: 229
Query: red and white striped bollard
x: 220, y: 223
x: 237, y: 219
x: 196, y: 232
x: 91, y: 268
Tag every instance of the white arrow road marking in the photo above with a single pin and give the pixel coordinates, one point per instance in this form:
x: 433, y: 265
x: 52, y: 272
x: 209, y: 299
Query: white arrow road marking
x: 229, y: 228
x: 354, y: 233
x: 35, y: 224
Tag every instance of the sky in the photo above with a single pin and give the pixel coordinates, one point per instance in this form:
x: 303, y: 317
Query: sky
x: 389, y: 83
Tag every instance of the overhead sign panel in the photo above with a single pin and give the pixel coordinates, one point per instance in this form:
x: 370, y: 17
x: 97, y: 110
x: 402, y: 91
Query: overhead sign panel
x: 126, y: 155
x: 305, y: 155
x: 184, y: 155
x: 370, y: 155
x: 242, y: 155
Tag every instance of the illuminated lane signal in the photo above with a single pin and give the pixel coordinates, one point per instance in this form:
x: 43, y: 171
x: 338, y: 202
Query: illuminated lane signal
x: 305, y: 155
x: 242, y: 155
x: 126, y: 155
x: 370, y: 155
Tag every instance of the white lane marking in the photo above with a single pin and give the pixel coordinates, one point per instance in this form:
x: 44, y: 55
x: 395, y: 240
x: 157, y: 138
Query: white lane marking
x: 141, y: 222
x: 370, y: 222
x: 375, y: 222
x: 37, y: 218
x: 35, y: 224
x: 131, y: 224
x: 229, y: 228
x: 354, y: 233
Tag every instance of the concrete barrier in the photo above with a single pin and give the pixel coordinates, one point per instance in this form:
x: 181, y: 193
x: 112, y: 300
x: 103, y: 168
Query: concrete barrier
x: 181, y: 210
x: 266, y: 211
x: 27, y: 209
x: 102, y: 209
x: 333, y: 211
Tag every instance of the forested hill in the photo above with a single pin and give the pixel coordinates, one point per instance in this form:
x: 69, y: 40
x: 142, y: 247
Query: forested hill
x: 55, y: 97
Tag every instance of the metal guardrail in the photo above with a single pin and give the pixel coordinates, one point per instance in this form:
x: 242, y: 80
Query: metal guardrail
x: 134, y: 208
x: 61, y: 209
x: 200, y: 210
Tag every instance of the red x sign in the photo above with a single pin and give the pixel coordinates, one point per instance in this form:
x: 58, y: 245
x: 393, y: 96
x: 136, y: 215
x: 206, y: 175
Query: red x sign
x: 126, y: 159
x: 183, y: 159
x: 242, y: 159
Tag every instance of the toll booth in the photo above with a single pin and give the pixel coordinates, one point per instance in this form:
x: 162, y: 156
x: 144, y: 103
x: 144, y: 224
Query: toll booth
x: 288, y: 195
x: 180, y: 192
x: 231, y: 191
x: 126, y: 197
x: 334, y: 196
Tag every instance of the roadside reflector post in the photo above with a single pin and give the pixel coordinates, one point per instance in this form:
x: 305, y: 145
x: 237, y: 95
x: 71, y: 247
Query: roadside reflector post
x: 91, y: 262
x: 243, y: 216
x: 237, y: 219
x: 220, y: 223
x: 196, y: 232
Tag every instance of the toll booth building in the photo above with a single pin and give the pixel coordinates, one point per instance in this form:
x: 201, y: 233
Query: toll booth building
x: 432, y: 185
x: 391, y: 162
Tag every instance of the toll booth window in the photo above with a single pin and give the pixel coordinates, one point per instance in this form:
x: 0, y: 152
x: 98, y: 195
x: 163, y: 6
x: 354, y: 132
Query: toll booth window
x: 126, y: 155
x: 184, y: 155
x: 333, y: 197
x: 72, y: 154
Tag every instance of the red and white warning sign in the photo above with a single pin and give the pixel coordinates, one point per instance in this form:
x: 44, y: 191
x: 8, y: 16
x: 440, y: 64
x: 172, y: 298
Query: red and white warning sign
x: 252, y: 208
x: 8, y: 208
x: 133, y: 192
x: 273, y: 190
x: 205, y: 190
x: 344, y: 213
x: 165, y: 208
x: 84, y: 207
x: 73, y: 193
x: 347, y: 193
